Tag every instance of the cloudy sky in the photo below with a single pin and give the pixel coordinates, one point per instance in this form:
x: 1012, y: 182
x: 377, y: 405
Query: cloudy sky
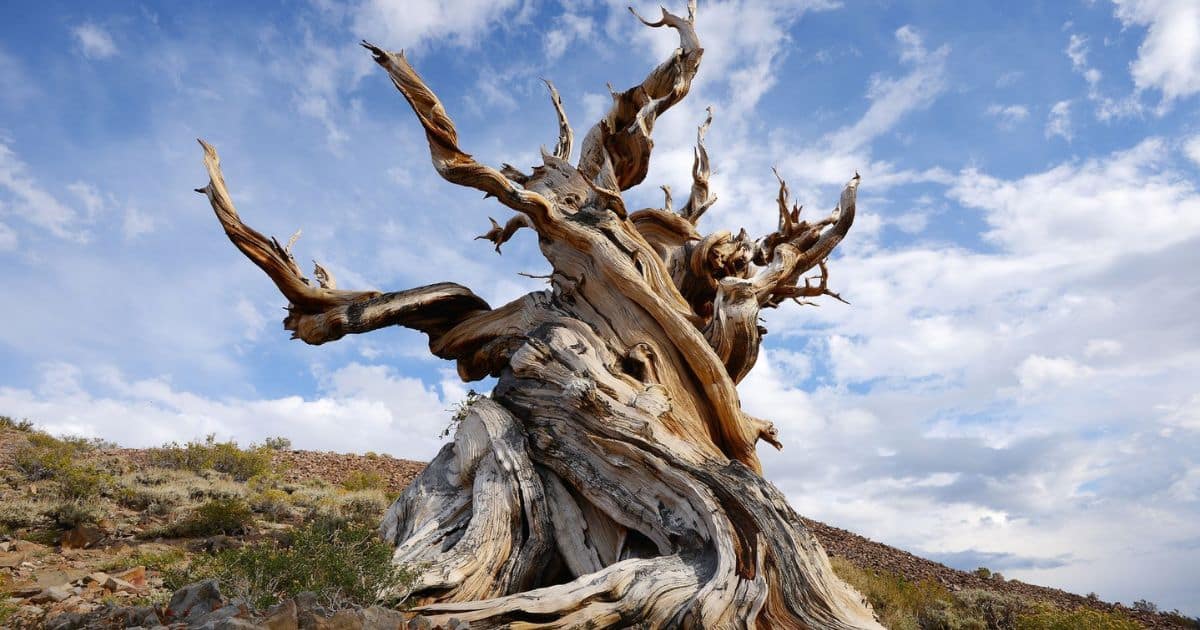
x: 1015, y: 384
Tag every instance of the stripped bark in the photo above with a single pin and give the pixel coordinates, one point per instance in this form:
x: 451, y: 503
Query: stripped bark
x: 611, y: 478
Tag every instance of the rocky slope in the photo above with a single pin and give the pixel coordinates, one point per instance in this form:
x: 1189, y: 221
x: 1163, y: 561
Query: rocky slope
x: 111, y: 570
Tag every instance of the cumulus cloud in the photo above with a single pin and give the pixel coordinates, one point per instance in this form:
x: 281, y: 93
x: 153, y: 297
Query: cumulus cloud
x: 1169, y: 57
x: 359, y: 408
x: 94, y: 41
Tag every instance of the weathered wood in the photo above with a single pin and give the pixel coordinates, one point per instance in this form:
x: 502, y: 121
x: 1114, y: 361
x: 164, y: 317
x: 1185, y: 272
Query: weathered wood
x: 611, y: 478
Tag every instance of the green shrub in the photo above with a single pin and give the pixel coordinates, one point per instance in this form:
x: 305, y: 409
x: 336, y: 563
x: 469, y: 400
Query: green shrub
x: 901, y: 604
x: 8, y: 422
x: 272, y: 503
x: 19, y: 514
x: 225, y: 457
x: 1047, y: 617
x: 365, y: 507
x: 278, y: 443
x: 71, y: 514
x: 983, y: 572
x: 164, y: 560
x: 344, y: 563
x: 217, y: 516
x: 43, y: 457
x: 153, y: 499
x: 80, y: 483
x: 363, y: 480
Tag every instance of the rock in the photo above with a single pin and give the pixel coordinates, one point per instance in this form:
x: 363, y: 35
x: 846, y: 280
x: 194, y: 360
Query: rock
x: 118, y: 585
x: 135, y: 576
x: 420, y: 623
x: 194, y: 600
x: 53, y: 594
x: 341, y: 620
x: 214, y: 619
x: 11, y: 559
x: 380, y: 618
x: 82, y: 537
x: 26, y: 546
x: 99, y: 577
x: 282, y: 617
x: 457, y: 624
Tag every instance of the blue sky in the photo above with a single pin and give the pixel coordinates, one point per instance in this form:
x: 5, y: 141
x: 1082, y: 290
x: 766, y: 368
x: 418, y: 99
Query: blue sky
x: 1014, y: 384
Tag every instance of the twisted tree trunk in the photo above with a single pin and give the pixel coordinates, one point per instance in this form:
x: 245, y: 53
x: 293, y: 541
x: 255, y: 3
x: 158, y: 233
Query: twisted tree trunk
x: 611, y: 479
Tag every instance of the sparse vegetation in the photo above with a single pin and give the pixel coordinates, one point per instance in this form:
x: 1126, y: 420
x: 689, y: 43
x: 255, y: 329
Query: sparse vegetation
x: 8, y: 422
x: 225, y: 457
x: 363, y: 480
x: 278, y: 443
x: 216, y: 516
x: 19, y: 514
x: 1046, y: 617
x: 71, y: 514
x: 906, y: 605
x: 343, y: 562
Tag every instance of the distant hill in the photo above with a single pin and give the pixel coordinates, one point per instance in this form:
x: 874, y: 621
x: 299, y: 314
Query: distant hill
x: 74, y: 513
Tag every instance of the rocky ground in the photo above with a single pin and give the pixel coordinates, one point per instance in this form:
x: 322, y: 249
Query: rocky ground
x: 111, y: 570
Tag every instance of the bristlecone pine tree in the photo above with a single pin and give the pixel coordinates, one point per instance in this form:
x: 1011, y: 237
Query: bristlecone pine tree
x: 610, y: 479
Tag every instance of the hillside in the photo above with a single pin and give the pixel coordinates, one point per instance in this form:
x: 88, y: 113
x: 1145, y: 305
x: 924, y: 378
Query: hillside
x: 88, y: 530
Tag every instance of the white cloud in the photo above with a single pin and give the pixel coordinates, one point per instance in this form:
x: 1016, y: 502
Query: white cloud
x: 1037, y: 372
x: 360, y: 408
x: 1058, y: 123
x: 8, y: 238
x: 413, y: 23
x: 94, y: 41
x: 1191, y: 148
x: 1100, y: 348
x: 136, y: 223
x: 1008, y: 115
x: 1085, y: 211
x: 1169, y: 58
x: 892, y: 99
x: 28, y: 200
x: 569, y: 28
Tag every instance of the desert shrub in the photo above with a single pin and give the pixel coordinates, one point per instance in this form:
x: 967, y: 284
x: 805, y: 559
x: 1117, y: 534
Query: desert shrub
x: 982, y: 609
x: 7, y: 610
x: 154, y: 500
x: 901, y: 604
x: 278, y: 443
x: 164, y: 560
x: 216, y: 516
x: 363, y: 480
x: 1047, y: 617
x: 983, y: 572
x: 80, y: 483
x: 8, y: 422
x: 271, y: 502
x: 43, y: 457
x: 344, y: 563
x: 1145, y: 605
x: 80, y: 443
x: 225, y: 457
x: 1182, y: 620
x: 365, y: 506
x: 19, y: 514
x: 459, y: 412
x: 71, y: 514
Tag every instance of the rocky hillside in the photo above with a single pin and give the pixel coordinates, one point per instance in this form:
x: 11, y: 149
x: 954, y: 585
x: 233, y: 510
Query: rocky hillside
x: 97, y: 536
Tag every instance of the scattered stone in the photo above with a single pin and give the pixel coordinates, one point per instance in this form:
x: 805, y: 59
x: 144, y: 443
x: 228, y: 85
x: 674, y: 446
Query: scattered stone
x: 282, y: 616
x: 82, y: 537
x: 53, y: 594
x: 380, y: 618
x: 118, y: 585
x: 27, y: 546
x: 420, y: 623
x: 99, y: 577
x: 195, y: 600
x: 135, y: 576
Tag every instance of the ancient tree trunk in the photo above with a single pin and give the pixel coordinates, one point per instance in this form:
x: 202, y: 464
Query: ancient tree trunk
x: 610, y: 479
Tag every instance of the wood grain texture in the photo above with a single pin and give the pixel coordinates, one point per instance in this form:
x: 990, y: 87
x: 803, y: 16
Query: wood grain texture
x: 611, y: 478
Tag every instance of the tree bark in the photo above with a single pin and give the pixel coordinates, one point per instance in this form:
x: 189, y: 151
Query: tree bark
x: 610, y: 479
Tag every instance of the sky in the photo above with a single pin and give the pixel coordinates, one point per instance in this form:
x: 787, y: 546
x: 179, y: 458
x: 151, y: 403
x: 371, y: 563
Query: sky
x: 1014, y: 384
